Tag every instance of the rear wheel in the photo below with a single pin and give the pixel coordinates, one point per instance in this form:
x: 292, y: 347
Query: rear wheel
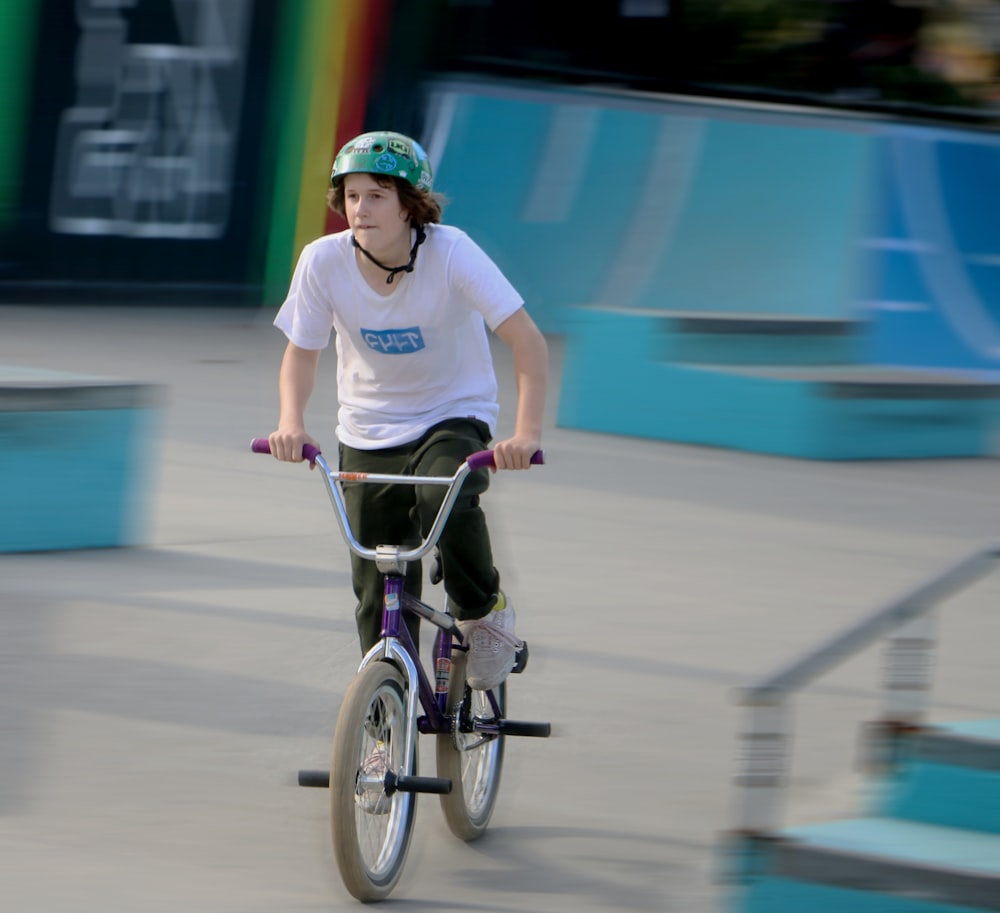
x: 371, y: 830
x: 471, y: 759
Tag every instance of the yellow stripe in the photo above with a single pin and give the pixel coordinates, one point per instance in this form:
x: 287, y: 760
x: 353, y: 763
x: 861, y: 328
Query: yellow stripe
x: 328, y: 24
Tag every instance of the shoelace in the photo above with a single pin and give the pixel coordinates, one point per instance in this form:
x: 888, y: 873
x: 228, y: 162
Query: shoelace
x: 374, y: 765
x: 372, y: 799
x: 487, y: 627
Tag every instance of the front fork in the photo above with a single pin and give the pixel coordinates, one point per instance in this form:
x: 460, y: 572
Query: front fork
x: 396, y: 645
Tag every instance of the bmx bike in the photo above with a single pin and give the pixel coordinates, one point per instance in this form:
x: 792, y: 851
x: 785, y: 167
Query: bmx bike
x: 372, y: 780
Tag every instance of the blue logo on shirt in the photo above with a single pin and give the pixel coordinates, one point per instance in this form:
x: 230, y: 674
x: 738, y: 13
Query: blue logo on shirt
x: 394, y: 342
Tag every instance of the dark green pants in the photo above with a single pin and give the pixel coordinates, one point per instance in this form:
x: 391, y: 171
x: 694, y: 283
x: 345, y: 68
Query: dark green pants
x: 402, y: 514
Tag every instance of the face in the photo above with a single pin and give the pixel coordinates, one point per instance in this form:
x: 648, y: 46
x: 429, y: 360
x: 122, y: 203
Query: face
x: 375, y: 215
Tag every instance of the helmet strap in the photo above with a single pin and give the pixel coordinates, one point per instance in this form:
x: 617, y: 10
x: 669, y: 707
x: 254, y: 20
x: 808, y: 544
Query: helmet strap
x: 393, y: 271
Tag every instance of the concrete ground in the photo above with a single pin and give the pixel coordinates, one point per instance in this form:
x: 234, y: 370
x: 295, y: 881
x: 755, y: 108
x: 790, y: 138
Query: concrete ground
x: 157, y: 701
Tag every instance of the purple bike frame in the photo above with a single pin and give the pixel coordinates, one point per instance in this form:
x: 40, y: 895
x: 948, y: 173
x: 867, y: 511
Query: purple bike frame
x: 433, y: 698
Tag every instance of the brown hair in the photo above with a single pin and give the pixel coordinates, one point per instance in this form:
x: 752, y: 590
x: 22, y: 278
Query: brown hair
x: 423, y: 206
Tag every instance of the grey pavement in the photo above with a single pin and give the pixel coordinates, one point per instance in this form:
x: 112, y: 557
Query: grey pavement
x: 156, y: 701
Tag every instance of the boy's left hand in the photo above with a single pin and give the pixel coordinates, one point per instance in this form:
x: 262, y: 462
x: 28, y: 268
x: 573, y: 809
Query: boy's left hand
x: 515, y: 452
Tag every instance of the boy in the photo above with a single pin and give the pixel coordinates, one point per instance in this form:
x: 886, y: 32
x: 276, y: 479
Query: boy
x: 410, y: 300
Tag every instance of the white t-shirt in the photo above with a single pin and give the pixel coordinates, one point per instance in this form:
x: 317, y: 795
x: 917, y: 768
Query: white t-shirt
x: 407, y: 360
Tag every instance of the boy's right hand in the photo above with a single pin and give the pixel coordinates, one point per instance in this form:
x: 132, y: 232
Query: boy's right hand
x: 286, y: 444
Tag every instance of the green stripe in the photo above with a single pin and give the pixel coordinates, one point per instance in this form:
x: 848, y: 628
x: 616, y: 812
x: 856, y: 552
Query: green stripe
x: 18, y: 27
x: 287, y: 119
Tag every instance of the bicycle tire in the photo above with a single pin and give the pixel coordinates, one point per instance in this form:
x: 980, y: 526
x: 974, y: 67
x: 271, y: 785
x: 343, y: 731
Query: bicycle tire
x: 371, y: 831
x: 472, y: 761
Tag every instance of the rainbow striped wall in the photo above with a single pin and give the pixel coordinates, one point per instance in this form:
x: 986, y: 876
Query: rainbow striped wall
x: 325, y: 53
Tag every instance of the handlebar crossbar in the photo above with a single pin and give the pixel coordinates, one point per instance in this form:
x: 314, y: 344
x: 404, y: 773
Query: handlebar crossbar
x: 334, y: 479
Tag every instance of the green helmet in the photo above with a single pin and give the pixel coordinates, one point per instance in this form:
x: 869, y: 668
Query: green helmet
x: 385, y: 153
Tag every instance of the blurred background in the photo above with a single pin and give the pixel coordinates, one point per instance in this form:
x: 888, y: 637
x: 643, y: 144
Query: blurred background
x: 172, y: 145
x: 767, y: 226
x: 830, y: 161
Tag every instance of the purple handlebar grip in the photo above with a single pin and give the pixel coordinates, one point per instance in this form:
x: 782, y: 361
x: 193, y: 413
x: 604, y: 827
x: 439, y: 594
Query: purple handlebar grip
x: 261, y: 445
x: 484, y: 458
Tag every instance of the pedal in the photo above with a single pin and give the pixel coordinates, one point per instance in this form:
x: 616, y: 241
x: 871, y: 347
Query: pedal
x: 316, y: 778
x: 520, y: 659
x: 531, y: 730
x: 404, y: 784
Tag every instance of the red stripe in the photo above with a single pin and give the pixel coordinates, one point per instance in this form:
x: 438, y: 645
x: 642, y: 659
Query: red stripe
x: 366, y: 43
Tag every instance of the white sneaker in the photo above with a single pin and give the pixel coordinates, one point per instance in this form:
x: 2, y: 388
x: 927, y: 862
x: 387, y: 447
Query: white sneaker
x: 492, y: 646
x: 370, y: 789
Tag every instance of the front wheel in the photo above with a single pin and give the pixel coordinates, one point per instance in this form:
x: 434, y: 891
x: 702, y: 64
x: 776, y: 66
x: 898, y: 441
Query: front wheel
x: 371, y: 829
x: 471, y: 759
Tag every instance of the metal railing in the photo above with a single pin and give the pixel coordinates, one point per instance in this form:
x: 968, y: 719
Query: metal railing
x: 908, y: 624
